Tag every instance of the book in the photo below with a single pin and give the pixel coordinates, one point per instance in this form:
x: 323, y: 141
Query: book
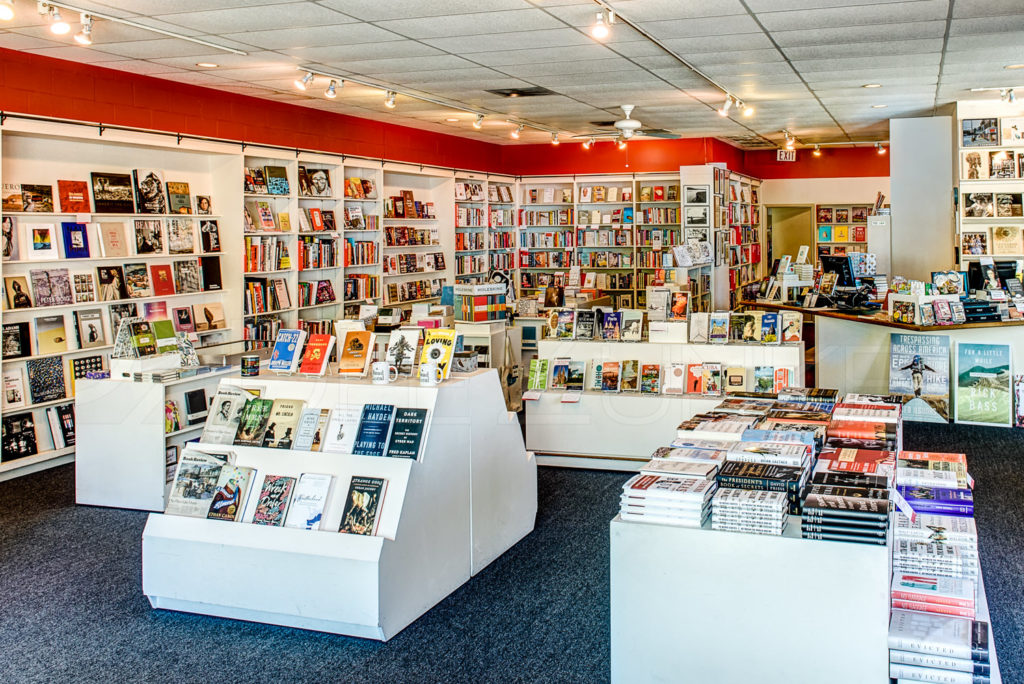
x: 46, y: 379
x: 112, y: 193
x: 564, y: 326
x: 675, y: 381
x: 718, y: 327
x: 943, y: 591
x: 14, y: 389
x: 9, y: 240
x: 317, y: 354
x: 196, y: 408
x: 62, y: 425
x: 209, y: 268
x: 231, y: 492
x: 938, y: 501
x: 939, y: 635
x: 136, y: 279
x: 308, y: 501
x: 363, y: 505
x: 285, y: 357
x: 586, y: 320
x: 356, y: 353
x: 274, y: 498
x: 162, y: 279
x: 439, y: 347
x: 41, y: 242
x: 181, y: 236
x: 632, y: 323
x: 342, y: 428
x: 374, y: 429
x: 76, y: 240
x: 252, y: 424
x: 209, y: 235
x: 111, y: 283
x: 926, y: 660
x: 611, y: 325
x: 650, y: 378
x: 149, y: 191
x: 610, y: 376
x: 310, y: 432
x: 74, y: 196
x: 277, y: 180
x: 112, y: 240
x: 282, y: 423
x: 19, y: 436
x: 51, y: 287
x: 538, y: 375
x: 195, y: 482
x: 179, y: 199
x: 629, y: 379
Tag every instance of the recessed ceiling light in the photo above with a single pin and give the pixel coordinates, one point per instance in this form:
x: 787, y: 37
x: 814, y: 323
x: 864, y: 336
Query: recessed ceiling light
x: 1014, y: 66
x: 207, y: 65
x: 451, y: 118
x: 879, y: 106
x: 872, y: 85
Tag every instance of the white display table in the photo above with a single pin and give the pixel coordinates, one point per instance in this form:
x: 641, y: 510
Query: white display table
x: 699, y: 605
x: 445, y: 517
x: 619, y: 430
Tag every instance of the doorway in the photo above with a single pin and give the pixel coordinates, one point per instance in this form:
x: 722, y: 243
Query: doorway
x: 789, y: 228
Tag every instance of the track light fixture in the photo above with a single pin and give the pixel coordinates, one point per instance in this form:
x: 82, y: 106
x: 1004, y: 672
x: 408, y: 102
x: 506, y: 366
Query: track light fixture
x: 478, y: 124
x: 622, y: 143
x: 747, y: 110
x: 554, y: 138
x: 1007, y: 95
x: 817, y: 151
x: 880, y: 148
x: 588, y: 143
x: 602, y: 25
x: 6, y: 10
x: 57, y: 23
x: 84, y: 37
x: 301, y: 83
x: 790, y: 139
x: 389, y: 99
x: 726, y: 106
x: 515, y: 133
x: 332, y: 90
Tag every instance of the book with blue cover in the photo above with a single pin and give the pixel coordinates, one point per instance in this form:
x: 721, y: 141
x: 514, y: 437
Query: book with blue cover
x: 374, y: 429
x: 938, y: 501
x: 76, y: 240
x: 287, y: 351
x: 408, y: 432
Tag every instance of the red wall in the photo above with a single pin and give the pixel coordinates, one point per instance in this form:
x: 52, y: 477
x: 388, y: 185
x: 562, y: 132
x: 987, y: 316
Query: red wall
x: 30, y: 84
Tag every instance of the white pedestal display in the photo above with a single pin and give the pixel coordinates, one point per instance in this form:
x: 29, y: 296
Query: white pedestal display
x: 470, y: 497
x: 619, y: 430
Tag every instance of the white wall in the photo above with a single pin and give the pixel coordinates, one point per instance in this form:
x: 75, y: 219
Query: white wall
x: 781, y: 191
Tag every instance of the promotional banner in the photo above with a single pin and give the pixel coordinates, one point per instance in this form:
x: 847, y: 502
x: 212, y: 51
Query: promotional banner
x: 983, y: 374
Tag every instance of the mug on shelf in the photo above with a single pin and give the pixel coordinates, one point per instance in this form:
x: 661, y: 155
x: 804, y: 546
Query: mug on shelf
x: 382, y: 373
x: 430, y: 373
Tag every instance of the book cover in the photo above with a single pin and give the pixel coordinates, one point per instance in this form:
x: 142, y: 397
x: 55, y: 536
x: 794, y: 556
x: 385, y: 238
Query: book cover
x: 356, y: 353
x: 939, y: 501
x: 51, y: 287
x: 675, y: 379
x: 252, y: 423
x: 308, y: 501
x: 629, y: 380
x: 14, y: 389
x: 19, y: 436
x: 611, y: 326
x: 186, y: 276
x: 718, y: 327
x: 439, y: 347
x: 89, y: 323
x: 770, y: 328
x: 285, y: 356
x: 711, y: 379
x: 37, y: 198
x: 17, y: 341
x: 983, y: 395
x: 610, y: 376
x: 560, y: 373
x: 232, y: 490
x: 84, y: 285
x: 112, y: 240
x: 310, y: 433
x: 76, y: 240
x: 277, y: 180
x: 51, y: 335
x: 209, y: 235
x: 632, y: 323
x: 195, y: 482
x: 149, y: 191
x: 363, y: 505
x: 282, y: 423
x: 209, y: 269
x: 224, y: 416
x: 74, y: 196
x: 374, y: 428
x: 272, y: 505
x: 112, y: 193
x: 162, y: 279
x: 179, y: 199
x: 650, y: 378
x: 181, y: 236
x: 538, y: 376
x: 182, y: 319
x: 317, y: 354
x: 342, y: 428
x: 401, y: 351
x: 407, y: 434
x: 136, y: 278
x: 694, y: 378
x: 939, y: 635
x: 40, y: 242
x: 564, y: 327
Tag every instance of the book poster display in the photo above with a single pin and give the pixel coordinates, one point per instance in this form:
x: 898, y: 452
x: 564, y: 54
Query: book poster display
x: 919, y: 372
x: 983, y: 392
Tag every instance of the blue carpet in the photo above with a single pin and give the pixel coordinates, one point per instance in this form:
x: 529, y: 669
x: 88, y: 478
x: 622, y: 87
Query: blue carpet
x: 71, y: 605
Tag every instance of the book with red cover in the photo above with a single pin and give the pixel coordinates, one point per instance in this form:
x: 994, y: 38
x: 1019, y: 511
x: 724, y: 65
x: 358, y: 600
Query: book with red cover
x: 74, y: 196
x: 858, y: 460
x: 163, y: 281
x: 318, y: 351
x: 316, y: 219
x: 694, y: 378
x: 659, y: 193
x: 861, y: 429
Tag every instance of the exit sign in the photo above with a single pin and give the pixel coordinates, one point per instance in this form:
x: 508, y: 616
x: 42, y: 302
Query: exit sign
x: 785, y: 155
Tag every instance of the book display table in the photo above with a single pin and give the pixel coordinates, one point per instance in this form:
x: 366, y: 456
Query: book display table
x: 619, y: 430
x: 470, y: 497
x: 730, y: 608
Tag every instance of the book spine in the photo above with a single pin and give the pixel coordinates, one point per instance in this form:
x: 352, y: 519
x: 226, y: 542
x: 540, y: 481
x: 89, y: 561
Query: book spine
x: 759, y: 483
x: 930, y: 507
x: 931, y: 674
x: 934, y: 608
x: 941, y: 662
x: 917, y: 596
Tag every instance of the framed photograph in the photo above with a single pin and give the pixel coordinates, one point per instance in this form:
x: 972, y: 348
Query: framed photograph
x: 1012, y: 130
x: 979, y: 132
x: 697, y: 216
x: 972, y: 167
x: 1009, y: 204
x: 171, y: 457
x: 695, y: 194
x: 974, y: 242
x: 1002, y: 164
x: 979, y: 205
x: 824, y: 214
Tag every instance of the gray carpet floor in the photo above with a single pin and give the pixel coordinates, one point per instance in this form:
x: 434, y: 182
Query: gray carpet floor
x: 72, y: 609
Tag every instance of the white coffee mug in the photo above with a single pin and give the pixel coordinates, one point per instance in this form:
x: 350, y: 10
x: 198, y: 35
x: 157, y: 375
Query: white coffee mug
x: 382, y: 373
x: 430, y: 373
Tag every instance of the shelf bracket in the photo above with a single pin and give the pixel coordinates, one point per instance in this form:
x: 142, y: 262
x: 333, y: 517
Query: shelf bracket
x: 3, y: 118
x: 101, y: 128
x: 179, y: 138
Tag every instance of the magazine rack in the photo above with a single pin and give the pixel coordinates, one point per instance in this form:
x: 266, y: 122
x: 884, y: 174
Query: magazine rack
x: 469, y: 498
x: 620, y: 430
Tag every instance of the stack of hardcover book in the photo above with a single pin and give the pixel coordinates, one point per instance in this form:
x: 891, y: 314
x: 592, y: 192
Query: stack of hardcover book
x: 750, y: 511
x: 864, y: 423
x: 767, y: 477
x: 845, y: 513
x: 670, y: 500
x: 715, y: 425
x: 924, y: 647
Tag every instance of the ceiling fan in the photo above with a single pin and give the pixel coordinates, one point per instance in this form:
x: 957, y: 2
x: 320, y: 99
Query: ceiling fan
x: 627, y: 128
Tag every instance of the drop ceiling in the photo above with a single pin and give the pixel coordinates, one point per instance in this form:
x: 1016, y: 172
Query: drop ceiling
x: 800, y: 63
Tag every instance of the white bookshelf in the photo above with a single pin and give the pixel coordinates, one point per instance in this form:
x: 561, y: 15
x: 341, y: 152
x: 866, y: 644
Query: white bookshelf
x: 368, y: 274
x: 444, y: 518
x: 42, y: 152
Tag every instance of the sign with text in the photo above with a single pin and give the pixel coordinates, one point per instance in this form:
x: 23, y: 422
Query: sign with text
x: 785, y: 155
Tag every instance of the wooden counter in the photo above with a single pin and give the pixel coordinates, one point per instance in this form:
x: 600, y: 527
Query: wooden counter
x: 878, y: 319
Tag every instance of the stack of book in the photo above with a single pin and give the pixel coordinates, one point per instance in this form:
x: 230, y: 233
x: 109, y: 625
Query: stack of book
x: 859, y: 423
x: 670, y: 500
x: 847, y: 513
x: 750, y: 511
x: 716, y: 425
x: 924, y: 647
x: 767, y: 477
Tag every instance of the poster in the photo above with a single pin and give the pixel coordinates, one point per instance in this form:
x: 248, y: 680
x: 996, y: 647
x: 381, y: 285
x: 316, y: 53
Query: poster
x: 983, y: 376
x: 919, y: 372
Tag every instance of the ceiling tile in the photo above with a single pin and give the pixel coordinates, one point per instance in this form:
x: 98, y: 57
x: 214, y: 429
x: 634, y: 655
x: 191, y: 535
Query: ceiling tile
x: 376, y: 10
x: 860, y: 15
x: 842, y: 49
x: 475, y: 23
x: 284, y: 16
x: 511, y: 40
x: 314, y: 36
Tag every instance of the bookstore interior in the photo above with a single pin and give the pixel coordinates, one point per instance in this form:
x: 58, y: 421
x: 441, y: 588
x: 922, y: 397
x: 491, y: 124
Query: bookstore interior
x: 284, y: 266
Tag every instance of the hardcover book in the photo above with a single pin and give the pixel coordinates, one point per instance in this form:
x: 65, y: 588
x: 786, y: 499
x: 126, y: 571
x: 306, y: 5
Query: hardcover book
x: 51, y: 287
x: 374, y: 428
x: 439, y: 347
x: 277, y: 180
x: 14, y: 389
x: 232, y: 490
x: 983, y: 395
x: 401, y: 351
x: 317, y: 354
x: 408, y: 432
x: 342, y: 428
x: 74, y: 196
x: 76, y: 240
x: 272, y: 505
x: 309, y: 436
x: 179, y: 199
x: 89, y: 323
x: 136, y: 278
x: 252, y: 424
x: 283, y: 423
x: 308, y: 501
x: 149, y: 191
x: 939, y: 634
x: 356, y: 353
x: 112, y: 240
x: 287, y: 347
x: 112, y: 193
x: 363, y: 505
x: 51, y: 335
x: 41, y: 242
x: 111, y: 282
x: 37, y: 198
x: 19, y: 436
x: 181, y: 238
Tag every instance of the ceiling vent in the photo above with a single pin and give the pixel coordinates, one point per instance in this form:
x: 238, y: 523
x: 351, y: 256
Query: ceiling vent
x: 749, y: 142
x: 536, y: 91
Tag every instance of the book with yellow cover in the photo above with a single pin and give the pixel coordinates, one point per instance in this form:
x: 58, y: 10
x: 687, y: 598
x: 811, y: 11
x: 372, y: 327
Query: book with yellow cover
x: 439, y: 347
x: 356, y: 353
